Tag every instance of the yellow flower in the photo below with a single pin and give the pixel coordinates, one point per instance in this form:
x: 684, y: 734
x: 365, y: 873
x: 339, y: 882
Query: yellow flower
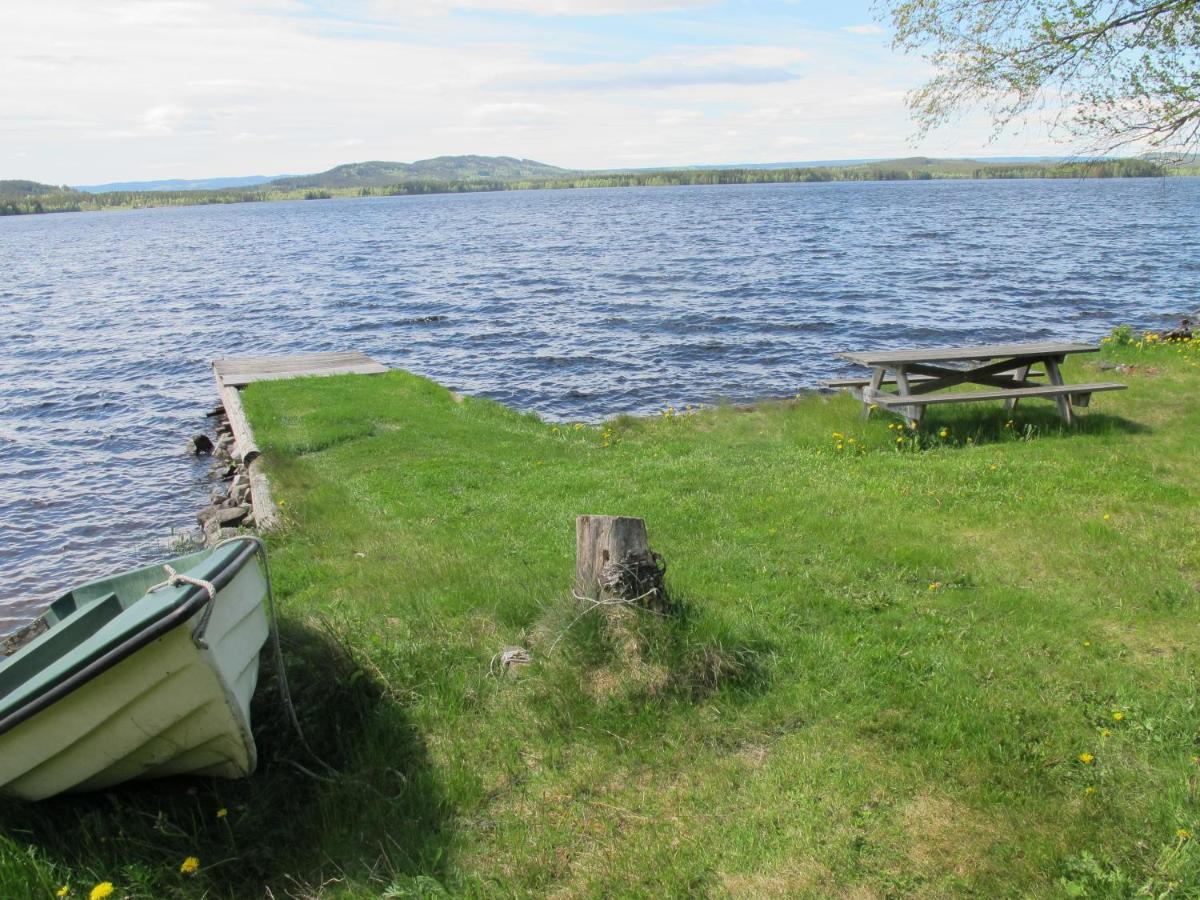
x: 578, y: 425
x: 189, y: 866
x: 1086, y: 758
x: 837, y: 435
x: 899, y: 440
x: 935, y: 586
x: 1087, y: 643
x: 839, y: 447
x: 1182, y: 833
x: 1104, y: 732
x: 222, y: 813
x: 1090, y: 789
x: 1107, y: 517
x: 993, y: 467
x: 1118, y: 715
x: 102, y: 890
x: 63, y: 891
x: 944, y: 433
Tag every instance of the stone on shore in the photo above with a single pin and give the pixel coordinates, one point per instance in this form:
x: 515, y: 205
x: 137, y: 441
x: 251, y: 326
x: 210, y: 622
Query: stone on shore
x: 200, y: 444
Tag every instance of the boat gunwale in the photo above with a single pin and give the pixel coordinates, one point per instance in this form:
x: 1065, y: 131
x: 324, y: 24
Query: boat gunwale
x: 192, y: 602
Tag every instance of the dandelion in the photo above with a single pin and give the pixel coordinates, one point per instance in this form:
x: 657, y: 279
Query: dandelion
x: 935, y: 586
x: 1182, y: 833
x: 578, y: 426
x: 993, y: 467
x: 222, y: 813
x: 899, y: 440
x: 1090, y: 789
x: 1107, y: 517
x: 63, y: 891
x: 944, y: 433
x: 190, y: 866
x: 1104, y: 732
x: 837, y: 435
x: 1118, y: 715
x: 102, y: 890
x: 839, y: 447
x: 850, y: 441
x: 1086, y: 758
x: 1087, y: 643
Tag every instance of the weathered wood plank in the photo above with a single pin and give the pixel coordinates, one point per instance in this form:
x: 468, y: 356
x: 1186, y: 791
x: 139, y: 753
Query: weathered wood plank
x: 266, y: 515
x: 1043, y: 390
x: 962, y: 354
x: 243, y: 438
x: 240, y: 371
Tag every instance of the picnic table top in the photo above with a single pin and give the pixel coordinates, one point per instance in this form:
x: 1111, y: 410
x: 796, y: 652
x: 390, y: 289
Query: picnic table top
x: 958, y: 354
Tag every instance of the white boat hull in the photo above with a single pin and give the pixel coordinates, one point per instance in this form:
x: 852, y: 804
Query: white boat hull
x: 173, y: 707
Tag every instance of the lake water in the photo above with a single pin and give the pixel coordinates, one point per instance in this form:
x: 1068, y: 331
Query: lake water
x: 576, y: 304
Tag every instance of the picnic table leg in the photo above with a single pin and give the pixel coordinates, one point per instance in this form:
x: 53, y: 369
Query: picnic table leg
x: 1020, y: 374
x: 912, y: 414
x: 1063, y: 401
x: 868, y: 395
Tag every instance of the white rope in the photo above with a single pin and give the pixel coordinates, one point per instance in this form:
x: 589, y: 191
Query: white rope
x: 174, y: 579
x: 280, y: 672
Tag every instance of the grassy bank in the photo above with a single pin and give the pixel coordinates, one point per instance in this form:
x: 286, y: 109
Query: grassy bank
x: 956, y: 663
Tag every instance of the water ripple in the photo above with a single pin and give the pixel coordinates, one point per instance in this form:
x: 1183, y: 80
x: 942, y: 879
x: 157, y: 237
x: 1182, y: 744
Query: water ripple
x: 576, y: 304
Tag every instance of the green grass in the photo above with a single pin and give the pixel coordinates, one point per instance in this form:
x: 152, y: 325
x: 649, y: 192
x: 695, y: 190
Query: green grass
x: 886, y: 665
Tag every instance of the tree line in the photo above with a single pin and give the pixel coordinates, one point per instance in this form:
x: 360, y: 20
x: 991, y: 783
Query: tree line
x: 78, y: 201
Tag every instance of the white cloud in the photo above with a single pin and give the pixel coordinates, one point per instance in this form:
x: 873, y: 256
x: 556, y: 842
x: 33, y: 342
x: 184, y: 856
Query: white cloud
x: 514, y: 114
x: 537, y: 7
x: 231, y: 86
x: 864, y: 29
x: 164, y: 119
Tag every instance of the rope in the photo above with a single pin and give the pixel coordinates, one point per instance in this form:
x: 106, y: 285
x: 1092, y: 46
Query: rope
x: 174, y: 579
x: 281, y: 673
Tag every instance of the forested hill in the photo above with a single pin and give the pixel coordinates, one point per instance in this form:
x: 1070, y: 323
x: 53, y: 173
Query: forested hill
x: 440, y: 168
x: 19, y: 196
x: 461, y: 174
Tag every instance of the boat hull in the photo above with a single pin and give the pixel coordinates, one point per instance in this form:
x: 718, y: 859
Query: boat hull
x: 176, y: 706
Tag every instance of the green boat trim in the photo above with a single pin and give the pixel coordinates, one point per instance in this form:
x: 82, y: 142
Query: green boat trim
x: 77, y: 648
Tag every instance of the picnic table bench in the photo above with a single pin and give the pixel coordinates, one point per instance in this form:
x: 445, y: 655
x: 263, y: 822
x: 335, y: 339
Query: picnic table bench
x: 924, y: 377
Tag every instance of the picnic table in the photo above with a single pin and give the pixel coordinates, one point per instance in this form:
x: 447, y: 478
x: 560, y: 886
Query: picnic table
x: 1011, y: 371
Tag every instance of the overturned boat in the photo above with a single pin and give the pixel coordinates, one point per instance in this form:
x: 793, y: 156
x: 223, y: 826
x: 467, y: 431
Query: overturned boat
x: 142, y: 675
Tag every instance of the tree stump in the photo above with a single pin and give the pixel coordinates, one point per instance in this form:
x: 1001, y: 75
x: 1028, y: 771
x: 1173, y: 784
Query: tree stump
x: 613, y: 561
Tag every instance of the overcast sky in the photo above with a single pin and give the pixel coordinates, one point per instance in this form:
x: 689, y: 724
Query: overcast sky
x: 109, y: 90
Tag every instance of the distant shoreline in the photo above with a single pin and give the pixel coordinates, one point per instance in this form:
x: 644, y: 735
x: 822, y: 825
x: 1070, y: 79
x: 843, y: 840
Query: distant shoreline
x: 30, y: 201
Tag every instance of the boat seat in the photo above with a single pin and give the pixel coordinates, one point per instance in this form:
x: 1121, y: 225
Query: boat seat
x: 73, y: 631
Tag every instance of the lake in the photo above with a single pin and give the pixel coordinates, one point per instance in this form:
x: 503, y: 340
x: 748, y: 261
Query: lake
x: 576, y: 304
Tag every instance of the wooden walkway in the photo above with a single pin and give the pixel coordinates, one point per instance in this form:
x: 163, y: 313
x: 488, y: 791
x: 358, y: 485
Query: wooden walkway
x: 243, y: 370
x: 237, y: 372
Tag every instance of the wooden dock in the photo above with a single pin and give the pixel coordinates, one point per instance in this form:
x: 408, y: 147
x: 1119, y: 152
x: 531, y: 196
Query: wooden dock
x: 240, y: 371
x: 235, y: 373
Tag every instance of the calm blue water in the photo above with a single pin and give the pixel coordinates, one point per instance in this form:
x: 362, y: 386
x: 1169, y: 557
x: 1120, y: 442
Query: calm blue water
x: 577, y: 304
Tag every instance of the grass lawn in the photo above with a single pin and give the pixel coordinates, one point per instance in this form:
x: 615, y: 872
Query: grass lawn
x: 918, y: 665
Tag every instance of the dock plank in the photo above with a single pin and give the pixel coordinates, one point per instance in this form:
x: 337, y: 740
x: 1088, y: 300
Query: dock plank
x: 240, y: 371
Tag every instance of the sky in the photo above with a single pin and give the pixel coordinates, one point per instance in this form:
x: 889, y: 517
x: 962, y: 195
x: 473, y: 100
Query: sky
x: 116, y: 90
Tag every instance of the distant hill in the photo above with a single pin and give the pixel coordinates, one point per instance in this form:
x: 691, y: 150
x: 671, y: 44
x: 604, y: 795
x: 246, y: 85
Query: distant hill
x: 20, y: 188
x: 463, y: 174
x: 377, y: 173
x: 178, y: 184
